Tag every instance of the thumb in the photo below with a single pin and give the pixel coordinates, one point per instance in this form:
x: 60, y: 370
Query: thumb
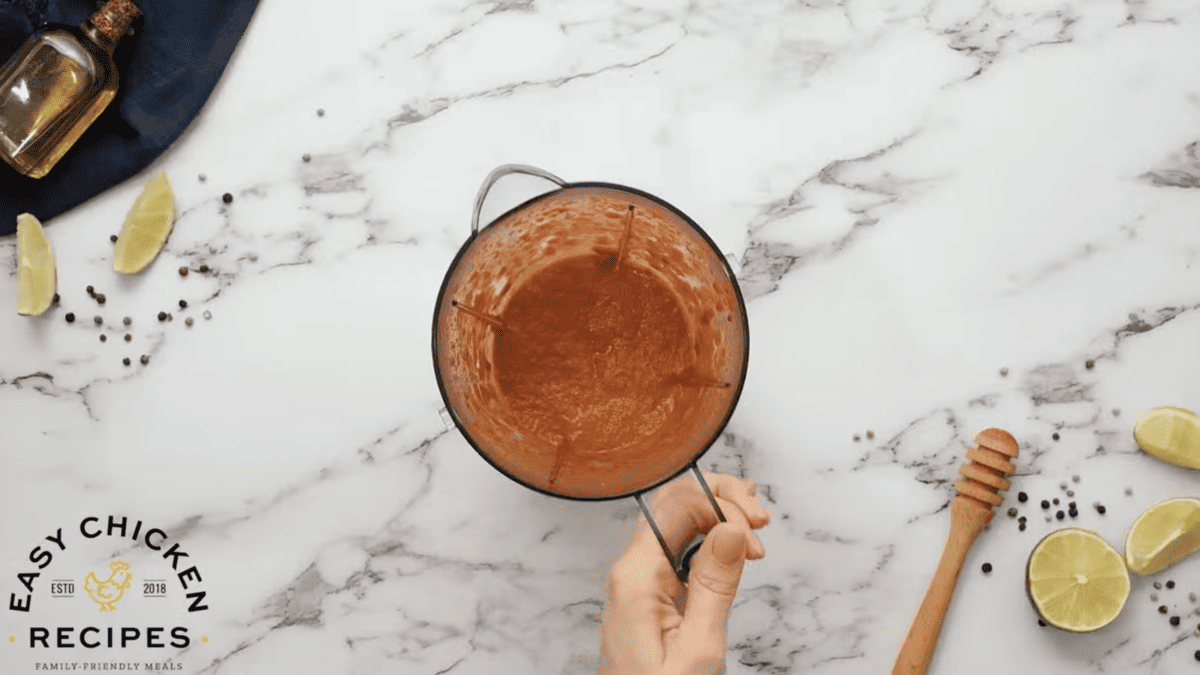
x: 713, y: 583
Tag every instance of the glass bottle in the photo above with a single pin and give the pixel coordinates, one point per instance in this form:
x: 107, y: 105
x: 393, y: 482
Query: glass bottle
x: 56, y: 85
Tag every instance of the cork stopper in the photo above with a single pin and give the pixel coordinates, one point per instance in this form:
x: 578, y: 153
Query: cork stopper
x: 114, y: 18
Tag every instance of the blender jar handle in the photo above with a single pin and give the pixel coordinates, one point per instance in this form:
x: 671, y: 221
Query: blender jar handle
x: 682, y: 566
x: 500, y: 172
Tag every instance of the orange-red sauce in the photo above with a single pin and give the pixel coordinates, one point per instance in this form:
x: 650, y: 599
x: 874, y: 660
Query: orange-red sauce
x: 594, y: 357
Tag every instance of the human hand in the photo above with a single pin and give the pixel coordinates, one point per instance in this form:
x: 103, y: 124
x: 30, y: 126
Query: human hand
x: 654, y: 625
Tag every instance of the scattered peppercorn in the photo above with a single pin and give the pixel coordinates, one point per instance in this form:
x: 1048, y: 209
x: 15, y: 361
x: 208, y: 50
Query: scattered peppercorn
x: 1071, y: 505
x: 99, y: 321
x: 183, y: 304
x: 1075, y: 478
x: 162, y: 316
x: 202, y: 178
x: 1012, y: 512
x: 91, y: 291
x: 1174, y: 621
x: 125, y: 360
x: 1089, y: 364
x: 169, y: 317
x: 1062, y: 486
x: 227, y: 198
x: 1055, y: 436
x: 56, y: 299
x: 145, y: 359
x: 70, y: 317
x: 1056, y: 501
x: 1162, y: 609
x: 987, y: 568
x: 1043, y: 625
x: 1197, y: 654
x: 127, y: 321
x: 1073, y: 513
x: 100, y: 298
x: 307, y: 157
x: 1045, y: 504
x: 103, y: 337
x: 1004, y: 373
x: 1170, y: 584
x: 1060, y: 515
x: 1157, y: 585
x: 320, y: 112
x: 1021, y: 519
x: 1021, y: 527
x: 870, y: 434
x: 112, y: 238
x: 183, y: 271
x: 1022, y: 497
x: 204, y: 269
x: 128, y: 337
x: 188, y: 321
x: 1070, y: 493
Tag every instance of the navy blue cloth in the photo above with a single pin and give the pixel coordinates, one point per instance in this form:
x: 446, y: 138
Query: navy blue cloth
x: 168, y: 67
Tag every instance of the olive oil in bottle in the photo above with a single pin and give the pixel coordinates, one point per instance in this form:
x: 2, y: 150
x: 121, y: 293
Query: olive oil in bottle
x: 56, y: 85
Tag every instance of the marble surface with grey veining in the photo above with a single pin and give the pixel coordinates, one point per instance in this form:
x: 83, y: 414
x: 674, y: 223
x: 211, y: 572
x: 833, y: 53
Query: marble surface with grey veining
x: 945, y: 215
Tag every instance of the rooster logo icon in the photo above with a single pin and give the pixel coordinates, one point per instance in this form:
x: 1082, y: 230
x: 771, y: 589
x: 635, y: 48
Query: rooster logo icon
x: 108, y: 592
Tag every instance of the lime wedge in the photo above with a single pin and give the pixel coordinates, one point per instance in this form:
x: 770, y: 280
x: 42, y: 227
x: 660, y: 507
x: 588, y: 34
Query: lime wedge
x: 37, y: 276
x: 1171, y: 434
x: 146, y: 227
x: 1162, y: 536
x: 1076, y: 581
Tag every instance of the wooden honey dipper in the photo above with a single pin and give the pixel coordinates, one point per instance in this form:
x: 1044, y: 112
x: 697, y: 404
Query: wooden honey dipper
x: 970, y: 511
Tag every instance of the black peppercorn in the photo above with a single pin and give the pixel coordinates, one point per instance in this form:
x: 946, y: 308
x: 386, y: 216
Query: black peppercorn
x: 1022, y: 497
x: 183, y: 304
x: 1012, y: 512
x: 307, y: 157
x: 1197, y: 654
x: 204, y: 269
x: 1071, y: 505
x: 1100, y: 509
x: 227, y: 198
x: 1043, y: 625
x: 870, y: 434
x: 56, y: 299
x: 103, y: 337
x: 1060, y: 515
x: 1056, y: 501
x: 112, y: 238
x: 1089, y: 364
x: 145, y: 359
x: 1174, y: 621
x: 1170, y: 584
x: 1162, y: 609
x: 127, y: 321
x: 183, y: 271
x: 128, y: 337
x: 100, y: 298
x: 1072, y: 513
x: 70, y: 317
x: 1021, y: 527
x: 987, y: 568
x: 125, y: 360
x: 99, y: 321
x: 1055, y: 436
x: 91, y: 291
x: 1045, y: 504
x: 162, y: 316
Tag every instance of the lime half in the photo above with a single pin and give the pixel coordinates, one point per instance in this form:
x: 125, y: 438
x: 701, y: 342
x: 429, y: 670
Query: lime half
x: 1076, y: 581
x: 37, y: 276
x: 146, y: 227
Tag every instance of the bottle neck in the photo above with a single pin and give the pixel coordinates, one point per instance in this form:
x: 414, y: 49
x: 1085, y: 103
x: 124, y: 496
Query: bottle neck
x: 107, y: 24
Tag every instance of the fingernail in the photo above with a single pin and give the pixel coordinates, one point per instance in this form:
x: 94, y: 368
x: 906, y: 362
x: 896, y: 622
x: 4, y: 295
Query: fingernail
x: 729, y: 545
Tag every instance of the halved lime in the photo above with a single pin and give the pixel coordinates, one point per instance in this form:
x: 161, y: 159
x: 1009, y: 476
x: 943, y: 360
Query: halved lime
x: 1076, y: 581
x: 146, y: 227
x: 1162, y: 536
x: 37, y: 275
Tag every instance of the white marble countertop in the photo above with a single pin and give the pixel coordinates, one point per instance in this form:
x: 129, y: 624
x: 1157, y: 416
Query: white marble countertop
x: 948, y: 215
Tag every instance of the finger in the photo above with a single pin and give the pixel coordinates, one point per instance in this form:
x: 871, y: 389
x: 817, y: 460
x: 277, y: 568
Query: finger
x: 740, y: 491
x: 712, y: 585
x: 681, y: 520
